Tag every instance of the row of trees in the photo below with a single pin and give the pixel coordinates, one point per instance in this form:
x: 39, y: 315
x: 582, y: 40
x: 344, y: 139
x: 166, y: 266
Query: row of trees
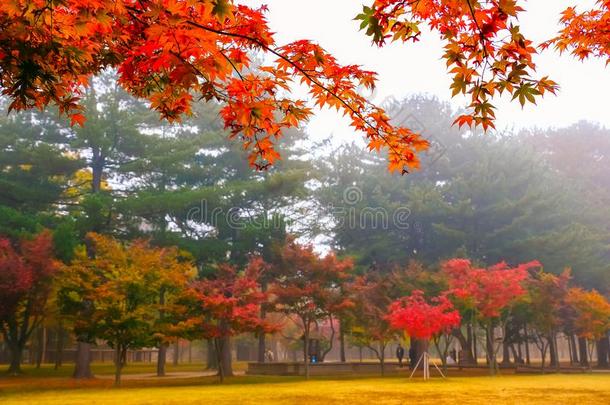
x: 515, y: 196
x: 135, y: 295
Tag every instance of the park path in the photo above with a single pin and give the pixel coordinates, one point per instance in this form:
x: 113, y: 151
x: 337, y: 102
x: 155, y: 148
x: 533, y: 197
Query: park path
x: 169, y: 376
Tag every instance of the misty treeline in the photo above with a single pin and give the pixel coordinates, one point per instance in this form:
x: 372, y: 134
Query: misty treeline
x: 514, y: 196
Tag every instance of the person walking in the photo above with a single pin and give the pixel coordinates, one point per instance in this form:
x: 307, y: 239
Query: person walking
x: 412, y: 354
x: 400, y: 354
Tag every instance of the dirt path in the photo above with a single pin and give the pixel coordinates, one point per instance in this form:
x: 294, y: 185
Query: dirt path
x: 168, y: 376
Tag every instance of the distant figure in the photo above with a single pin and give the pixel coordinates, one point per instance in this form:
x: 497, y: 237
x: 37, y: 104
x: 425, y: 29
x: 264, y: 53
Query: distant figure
x: 412, y: 354
x: 269, y: 356
x: 400, y: 354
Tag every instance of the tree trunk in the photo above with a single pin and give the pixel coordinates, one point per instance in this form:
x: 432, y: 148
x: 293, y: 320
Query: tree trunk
x: 41, y: 347
x: 227, y: 365
x: 218, y: 352
x: 59, y: 347
x: 527, y: 345
x: 574, y: 348
x: 176, y: 358
x: 467, y: 359
x: 473, y: 340
x: 15, y: 353
x: 543, y: 347
x: 82, y: 365
x: 262, y: 345
x: 212, y: 359
x: 582, y: 352
x: 553, y: 350
x: 306, y: 349
x: 505, y: 354
x: 603, y: 350
x: 161, y: 360
x: 343, y: 358
x: 491, y: 352
x: 382, y: 358
x: 118, y: 365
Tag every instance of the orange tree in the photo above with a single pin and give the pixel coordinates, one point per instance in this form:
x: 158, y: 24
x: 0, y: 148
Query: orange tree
x: 26, y: 276
x: 591, y: 316
x: 110, y: 291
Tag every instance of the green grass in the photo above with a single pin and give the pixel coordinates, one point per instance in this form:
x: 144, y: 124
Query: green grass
x: 508, y: 389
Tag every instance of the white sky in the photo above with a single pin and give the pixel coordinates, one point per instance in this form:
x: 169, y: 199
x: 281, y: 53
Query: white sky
x: 406, y: 69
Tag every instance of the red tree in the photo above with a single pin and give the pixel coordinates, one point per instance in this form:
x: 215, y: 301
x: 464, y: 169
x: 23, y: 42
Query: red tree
x: 310, y: 288
x: 489, y: 292
x: 25, y: 283
x: 230, y: 304
x: 421, y: 318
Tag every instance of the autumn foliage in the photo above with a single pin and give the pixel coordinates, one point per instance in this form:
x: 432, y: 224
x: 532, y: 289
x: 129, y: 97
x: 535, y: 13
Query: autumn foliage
x: 584, y: 33
x: 488, y: 290
x: 26, y: 274
x: 111, y: 290
x: 229, y: 304
x: 421, y: 318
x: 172, y: 51
x: 592, y: 313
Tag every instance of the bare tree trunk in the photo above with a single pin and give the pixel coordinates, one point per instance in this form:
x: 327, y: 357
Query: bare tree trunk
x: 59, y: 346
x: 473, y: 339
x: 306, y: 348
x: 574, y: 349
x: 603, y: 350
x: 176, y: 358
x: 41, y: 346
x: 553, y: 350
x: 505, y: 353
x: 527, y: 345
x: 119, y: 362
x: 582, y: 347
x: 212, y: 358
x: 218, y: 350
x: 161, y: 359
x: 382, y: 357
x: 466, y: 345
x: 82, y: 366
x: 227, y: 365
x: 15, y: 353
x: 262, y: 345
x: 491, y: 352
x: 342, y: 342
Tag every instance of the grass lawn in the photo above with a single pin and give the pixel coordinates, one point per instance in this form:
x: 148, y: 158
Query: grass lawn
x: 507, y: 389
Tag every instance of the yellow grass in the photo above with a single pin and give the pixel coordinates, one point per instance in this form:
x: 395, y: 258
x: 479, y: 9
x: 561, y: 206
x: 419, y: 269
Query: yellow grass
x: 510, y: 389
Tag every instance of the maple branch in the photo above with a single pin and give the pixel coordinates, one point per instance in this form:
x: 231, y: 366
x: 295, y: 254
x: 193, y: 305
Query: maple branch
x: 300, y: 70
